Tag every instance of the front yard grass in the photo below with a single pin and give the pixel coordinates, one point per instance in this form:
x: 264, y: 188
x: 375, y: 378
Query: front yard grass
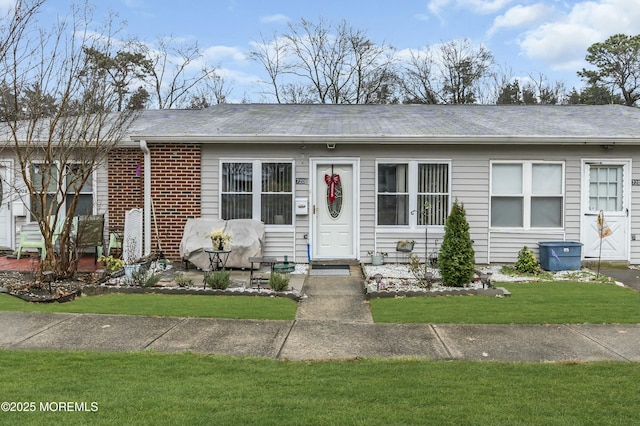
x: 530, y: 303
x: 237, y: 307
x: 155, y: 388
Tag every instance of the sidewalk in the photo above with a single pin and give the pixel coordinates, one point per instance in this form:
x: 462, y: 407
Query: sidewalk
x: 333, y: 322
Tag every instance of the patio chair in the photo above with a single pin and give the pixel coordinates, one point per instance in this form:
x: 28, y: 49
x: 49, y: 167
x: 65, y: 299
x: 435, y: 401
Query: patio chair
x: 88, y: 232
x: 115, y: 241
x: 31, y: 237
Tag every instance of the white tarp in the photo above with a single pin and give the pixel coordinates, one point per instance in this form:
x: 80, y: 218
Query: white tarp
x: 247, y: 240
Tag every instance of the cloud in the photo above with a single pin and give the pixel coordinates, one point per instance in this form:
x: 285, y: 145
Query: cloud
x: 476, y: 6
x: 215, y: 54
x: 278, y: 18
x: 562, y: 44
x: 520, y: 16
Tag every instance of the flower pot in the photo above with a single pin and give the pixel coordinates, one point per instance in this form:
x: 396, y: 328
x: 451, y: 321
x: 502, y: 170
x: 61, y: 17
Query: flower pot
x: 217, y: 244
x: 128, y: 270
x: 377, y: 260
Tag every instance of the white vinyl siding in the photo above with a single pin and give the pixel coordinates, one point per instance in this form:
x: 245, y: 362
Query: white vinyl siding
x: 470, y: 174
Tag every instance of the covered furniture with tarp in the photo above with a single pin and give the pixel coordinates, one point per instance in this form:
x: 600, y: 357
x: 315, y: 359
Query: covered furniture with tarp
x: 247, y: 240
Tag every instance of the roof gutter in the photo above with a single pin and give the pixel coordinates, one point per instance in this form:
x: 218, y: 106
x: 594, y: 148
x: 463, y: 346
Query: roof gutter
x: 399, y: 139
x: 147, y: 196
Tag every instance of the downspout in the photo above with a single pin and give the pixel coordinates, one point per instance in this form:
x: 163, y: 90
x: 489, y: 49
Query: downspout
x: 147, y: 197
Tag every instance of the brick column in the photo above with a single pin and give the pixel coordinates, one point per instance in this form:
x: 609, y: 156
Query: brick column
x: 175, y: 190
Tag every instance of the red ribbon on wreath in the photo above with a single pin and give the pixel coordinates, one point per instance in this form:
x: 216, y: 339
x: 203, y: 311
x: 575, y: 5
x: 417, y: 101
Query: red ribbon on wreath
x: 332, y: 181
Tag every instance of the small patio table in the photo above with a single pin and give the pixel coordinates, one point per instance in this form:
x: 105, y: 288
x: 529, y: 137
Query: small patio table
x: 261, y: 260
x: 217, y: 259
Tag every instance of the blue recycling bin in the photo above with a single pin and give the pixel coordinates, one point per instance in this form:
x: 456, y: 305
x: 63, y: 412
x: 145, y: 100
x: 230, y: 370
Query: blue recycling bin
x: 560, y: 255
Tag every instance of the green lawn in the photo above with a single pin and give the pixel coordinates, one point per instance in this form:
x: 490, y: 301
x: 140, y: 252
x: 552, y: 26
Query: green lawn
x: 532, y: 303
x: 246, y: 307
x: 163, y: 389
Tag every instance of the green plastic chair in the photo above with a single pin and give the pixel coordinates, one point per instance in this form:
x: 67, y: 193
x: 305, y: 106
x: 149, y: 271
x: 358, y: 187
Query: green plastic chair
x: 115, y: 241
x: 31, y: 237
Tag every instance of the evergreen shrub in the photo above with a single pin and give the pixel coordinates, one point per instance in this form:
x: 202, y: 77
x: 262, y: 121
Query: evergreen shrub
x: 457, y: 257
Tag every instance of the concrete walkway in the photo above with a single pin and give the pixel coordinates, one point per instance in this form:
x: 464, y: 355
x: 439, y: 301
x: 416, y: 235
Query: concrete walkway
x: 333, y: 322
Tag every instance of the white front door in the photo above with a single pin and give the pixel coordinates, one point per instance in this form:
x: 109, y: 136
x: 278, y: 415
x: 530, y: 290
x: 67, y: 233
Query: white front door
x: 334, y: 212
x: 5, y: 205
x: 606, y: 190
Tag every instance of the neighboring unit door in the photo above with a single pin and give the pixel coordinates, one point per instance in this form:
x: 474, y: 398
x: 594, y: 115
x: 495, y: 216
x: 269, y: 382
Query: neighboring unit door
x: 5, y: 206
x: 334, y: 228
x: 606, y: 189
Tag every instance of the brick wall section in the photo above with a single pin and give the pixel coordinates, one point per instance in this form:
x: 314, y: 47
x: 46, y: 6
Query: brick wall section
x: 175, y: 188
x: 125, y: 185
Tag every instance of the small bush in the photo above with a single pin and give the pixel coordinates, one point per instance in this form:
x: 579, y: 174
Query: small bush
x: 111, y: 263
x: 457, y: 257
x: 219, y: 280
x: 279, y: 282
x: 419, y: 272
x: 151, y: 280
x: 527, y: 262
x: 182, y: 280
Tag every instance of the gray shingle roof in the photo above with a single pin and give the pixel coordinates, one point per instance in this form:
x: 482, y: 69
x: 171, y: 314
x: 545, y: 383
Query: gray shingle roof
x: 424, y: 123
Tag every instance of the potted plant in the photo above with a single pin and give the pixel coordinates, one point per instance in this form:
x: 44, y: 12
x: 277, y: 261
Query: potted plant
x: 219, y: 239
x: 112, y: 264
x: 378, y: 258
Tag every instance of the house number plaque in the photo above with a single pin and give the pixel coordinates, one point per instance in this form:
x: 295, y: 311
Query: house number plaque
x: 302, y: 181
x: 635, y: 182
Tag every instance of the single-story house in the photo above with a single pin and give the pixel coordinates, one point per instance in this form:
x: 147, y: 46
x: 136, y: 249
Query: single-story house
x: 345, y: 181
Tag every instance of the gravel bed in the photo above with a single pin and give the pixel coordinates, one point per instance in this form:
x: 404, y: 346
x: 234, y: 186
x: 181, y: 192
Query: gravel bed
x: 27, y: 287
x: 396, y: 277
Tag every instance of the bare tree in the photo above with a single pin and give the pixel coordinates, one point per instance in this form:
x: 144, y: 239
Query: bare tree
x: 317, y: 58
x: 545, y: 92
x: 213, y: 90
x: 58, y: 151
x: 16, y: 22
x: 178, y: 73
x: 418, y: 78
x: 375, y: 78
x: 271, y: 54
x: 463, y: 67
x: 335, y: 64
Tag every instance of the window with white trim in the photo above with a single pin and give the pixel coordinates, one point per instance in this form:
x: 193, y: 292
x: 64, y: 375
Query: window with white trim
x: 261, y: 190
x: 44, y: 178
x: 404, y: 188
x: 46, y: 174
x: 527, y: 194
x: 74, y: 176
